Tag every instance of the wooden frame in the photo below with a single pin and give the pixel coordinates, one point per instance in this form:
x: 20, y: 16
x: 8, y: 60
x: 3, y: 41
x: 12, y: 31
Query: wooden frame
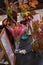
x: 1, y: 55
x: 5, y: 44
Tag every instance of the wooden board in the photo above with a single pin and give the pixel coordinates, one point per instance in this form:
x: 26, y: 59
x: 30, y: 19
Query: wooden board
x: 7, y: 47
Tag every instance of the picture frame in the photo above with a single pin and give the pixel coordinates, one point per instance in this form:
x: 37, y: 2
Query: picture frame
x: 5, y: 44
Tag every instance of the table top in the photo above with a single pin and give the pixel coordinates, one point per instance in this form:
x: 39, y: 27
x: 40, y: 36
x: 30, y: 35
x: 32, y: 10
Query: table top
x: 2, y: 17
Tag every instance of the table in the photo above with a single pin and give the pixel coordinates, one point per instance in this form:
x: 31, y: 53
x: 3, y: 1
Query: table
x: 30, y: 58
x: 2, y: 17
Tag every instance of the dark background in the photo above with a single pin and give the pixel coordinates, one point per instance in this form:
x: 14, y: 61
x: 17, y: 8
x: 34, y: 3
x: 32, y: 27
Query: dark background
x: 3, y: 6
x: 41, y: 1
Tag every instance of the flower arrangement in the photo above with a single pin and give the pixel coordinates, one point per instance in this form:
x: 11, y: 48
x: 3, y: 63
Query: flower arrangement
x: 38, y: 29
x: 38, y: 36
x: 18, y: 29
